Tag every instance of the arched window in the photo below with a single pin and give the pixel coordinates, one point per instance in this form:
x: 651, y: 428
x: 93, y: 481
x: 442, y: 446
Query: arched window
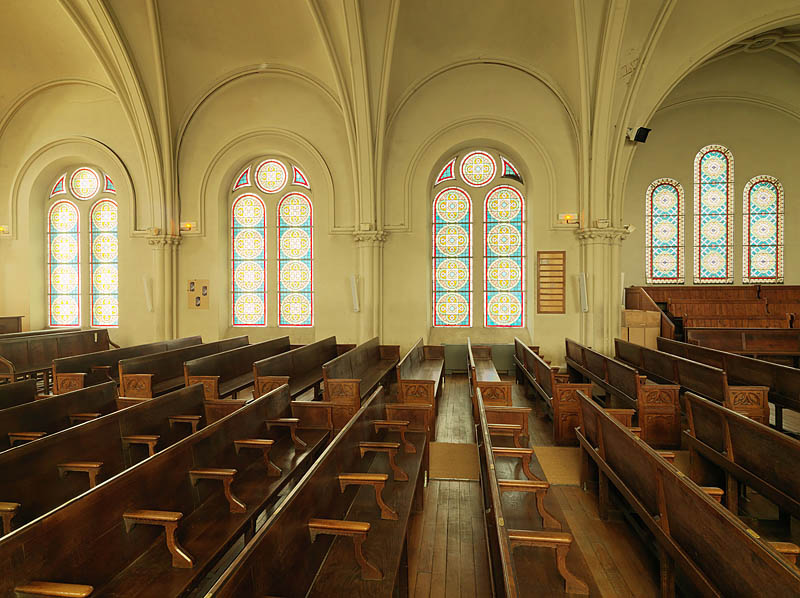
x: 713, y: 207
x: 63, y: 264
x: 452, y: 258
x: 104, y: 244
x: 664, y: 245
x: 504, y: 257
x: 763, y: 230
x: 248, y: 261
x: 295, y: 260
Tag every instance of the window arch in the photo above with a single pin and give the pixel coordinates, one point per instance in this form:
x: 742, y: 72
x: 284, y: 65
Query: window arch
x: 104, y: 260
x: 248, y: 260
x: 762, y: 210
x: 713, y: 206
x: 452, y: 258
x: 664, y: 243
x: 295, y: 260
x: 504, y: 257
x: 63, y: 264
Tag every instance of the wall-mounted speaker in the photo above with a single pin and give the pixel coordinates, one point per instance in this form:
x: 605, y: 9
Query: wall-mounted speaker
x: 638, y: 135
x: 354, y: 291
x: 584, y: 295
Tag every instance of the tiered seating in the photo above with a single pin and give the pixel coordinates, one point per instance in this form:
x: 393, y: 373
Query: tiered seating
x: 351, y: 377
x: 31, y: 356
x: 151, y: 375
x: 702, y: 379
x: 715, y: 553
x: 713, y: 307
x: 765, y: 321
x: 557, y: 390
x: 744, y: 452
x: 45, y: 474
x: 227, y: 373
x: 157, y: 528
x: 483, y: 375
x: 79, y: 371
x: 510, y: 528
x: 764, y: 343
x: 342, y: 531
x: 300, y: 368
x: 657, y: 405
x: 17, y: 393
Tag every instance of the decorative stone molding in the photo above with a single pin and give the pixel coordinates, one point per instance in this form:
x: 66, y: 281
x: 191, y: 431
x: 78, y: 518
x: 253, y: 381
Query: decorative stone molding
x: 158, y: 241
x: 607, y: 234
x: 374, y: 238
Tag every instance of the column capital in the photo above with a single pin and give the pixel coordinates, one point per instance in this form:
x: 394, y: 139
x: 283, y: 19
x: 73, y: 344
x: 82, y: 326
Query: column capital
x: 373, y: 238
x: 603, y: 234
x: 159, y: 241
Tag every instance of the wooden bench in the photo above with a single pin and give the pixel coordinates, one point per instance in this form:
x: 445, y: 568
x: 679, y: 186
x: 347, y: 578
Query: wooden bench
x: 32, y: 356
x: 151, y: 375
x: 483, y: 375
x: 342, y: 530
x: 507, y: 539
x: 713, y: 307
x: 351, y: 377
x: 158, y: 528
x: 557, y: 390
x: 774, y: 344
x: 715, y: 553
x: 79, y: 371
x: 699, y: 378
x: 664, y: 293
x: 42, y: 475
x: 227, y: 373
x: 766, y: 321
x: 300, y: 368
x: 657, y: 406
x: 17, y: 393
x: 420, y: 375
x: 728, y: 449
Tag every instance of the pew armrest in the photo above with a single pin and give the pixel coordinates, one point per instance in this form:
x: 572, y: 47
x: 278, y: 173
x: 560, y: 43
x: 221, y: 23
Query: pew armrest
x: 561, y: 542
x: 396, y: 425
x: 91, y: 468
x: 54, y: 589
x: 524, y: 454
x: 169, y: 521
x: 354, y: 529
x: 78, y: 418
x: 145, y: 439
x: 390, y: 448
x: 291, y: 423
x: 262, y: 445
x: 226, y: 476
x: 24, y: 436
x: 377, y: 481
x: 787, y: 550
x: 514, y: 430
x: 8, y: 510
x: 539, y: 488
x: 192, y: 420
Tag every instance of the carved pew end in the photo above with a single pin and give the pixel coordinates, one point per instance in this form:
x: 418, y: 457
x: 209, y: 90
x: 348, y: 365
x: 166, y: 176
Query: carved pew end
x: 539, y: 488
x: 8, y: 510
x: 49, y: 588
x: 262, y: 445
x: 169, y: 521
x: 378, y: 483
x: 356, y: 530
x: 291, y: 423
x: 225, y: 476
x: 559, y: 541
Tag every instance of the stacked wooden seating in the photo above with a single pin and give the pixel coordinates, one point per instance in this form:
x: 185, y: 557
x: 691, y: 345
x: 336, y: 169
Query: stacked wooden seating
x: 699, y: 378
x: 773, y: 343
x: 765, y: 321
x: 229, y: 372
x: 151, y: 375
x: 420, y: 375
x: 158, y: 528
x: 512, y: 534
x: 713, y: 307
x: 342, y: 531
x: 557, y: 390
x: 300, y: 368
x: 353, y: 376
x: 72, y: 373
x: 730, y: 450
x: 483, y: 375
x: 17, y: 393
x: 715, y: 553
x: 42, y: 475
x: 662, y: 294
x: 783, y: 382
x: 31, y: 356
x: 657, y: 406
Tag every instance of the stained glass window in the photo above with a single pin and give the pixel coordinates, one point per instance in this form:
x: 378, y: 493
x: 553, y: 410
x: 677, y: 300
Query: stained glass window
x: 248, y: 261
x: 763, y: 230
x: 448, y: 173
x: 508, y: 170
x: 299, y: 178
x: 295, y: 260
x: 664, y: 246
x: 60, y: 186
x: 713, y: 208
x: 63, y: 264
x: 104, y: 244
x: 504, y: 257
x: 271, y: 176
x: 243, y: 180
x: 452, y: 258
x: 478, y: 169
x: 84, y: 183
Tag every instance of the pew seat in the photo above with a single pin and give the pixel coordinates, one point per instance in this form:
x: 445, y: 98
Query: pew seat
x: 420, y: 374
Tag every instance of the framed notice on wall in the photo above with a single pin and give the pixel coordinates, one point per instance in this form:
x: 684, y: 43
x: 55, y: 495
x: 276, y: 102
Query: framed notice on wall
x: 551, y: 270
x: 198, y: 293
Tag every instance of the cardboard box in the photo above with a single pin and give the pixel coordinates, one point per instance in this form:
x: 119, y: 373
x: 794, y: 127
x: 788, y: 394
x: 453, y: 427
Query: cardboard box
x: 650, y: 337
x: 636, y: 335
x: 636, y: 318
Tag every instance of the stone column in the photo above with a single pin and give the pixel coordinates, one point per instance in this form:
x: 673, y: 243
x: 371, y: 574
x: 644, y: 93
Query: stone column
x: 370, y: 271
x: 165, y: 300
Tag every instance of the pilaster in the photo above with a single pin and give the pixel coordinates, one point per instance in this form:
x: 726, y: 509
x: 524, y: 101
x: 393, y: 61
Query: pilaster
x: 370, y: 268
x: 165, y: 299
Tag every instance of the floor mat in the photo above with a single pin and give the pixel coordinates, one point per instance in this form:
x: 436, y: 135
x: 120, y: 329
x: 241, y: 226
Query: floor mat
x: 452, y: 461
x: 561, y: 465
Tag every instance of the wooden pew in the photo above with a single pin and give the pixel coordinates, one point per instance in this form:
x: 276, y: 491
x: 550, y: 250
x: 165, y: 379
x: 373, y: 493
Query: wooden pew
x: 764, y: 343
x: 351, y: 377
x: 17, y: 393
x: 713, y: 307
x: 420, y: 375
x: 783, y: 382
x: 716, y: 554
x: 151, y: 375
x: 662, y: 294
x: 10, y: 324
x: 37, y: 419
x: 32, y: 356
x: 699, y: 378
x: 483, y: 375
x: 42, y: 475
x: 503, y: 537
x: 22, y: 334
x: 657, y: 406
x: 557, y: 391
x: 766, y: 321
x: 300, y: 368
x: 744, y: 452
x: 79, y: 371
x: 158, y: 528
x: 362, y: 489
x: 227, y: 373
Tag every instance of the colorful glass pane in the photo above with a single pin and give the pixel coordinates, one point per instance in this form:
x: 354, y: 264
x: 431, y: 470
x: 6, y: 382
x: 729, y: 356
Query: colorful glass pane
x: 60, y: 186
x: 108, y: 186
x: 478, y: 169
x: 271, y: 176
x: 763, y: 230
x: 295, y: 260
x: 508, y: 170
x: 452, y: 258
x: 664, y: 250
x: 248, y: 261
x: 504, y: 257
x: 448, y: 173
x: 84, y: 183
x: 713, y: 231
x: 63, y: 265
x: 298, y: 178
x: 243, y: 180
x: 104, y: 243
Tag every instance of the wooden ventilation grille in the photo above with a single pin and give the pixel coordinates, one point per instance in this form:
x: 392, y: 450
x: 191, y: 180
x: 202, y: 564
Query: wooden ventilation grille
x: 551, y: 268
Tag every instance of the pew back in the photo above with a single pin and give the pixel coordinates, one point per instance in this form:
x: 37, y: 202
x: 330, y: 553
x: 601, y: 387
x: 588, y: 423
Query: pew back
x: 747, y: 341
x: 17, y: 393
x: 301, y: 368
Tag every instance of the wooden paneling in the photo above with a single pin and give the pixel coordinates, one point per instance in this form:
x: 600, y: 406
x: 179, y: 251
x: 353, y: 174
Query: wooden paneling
x: 551, y: 278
